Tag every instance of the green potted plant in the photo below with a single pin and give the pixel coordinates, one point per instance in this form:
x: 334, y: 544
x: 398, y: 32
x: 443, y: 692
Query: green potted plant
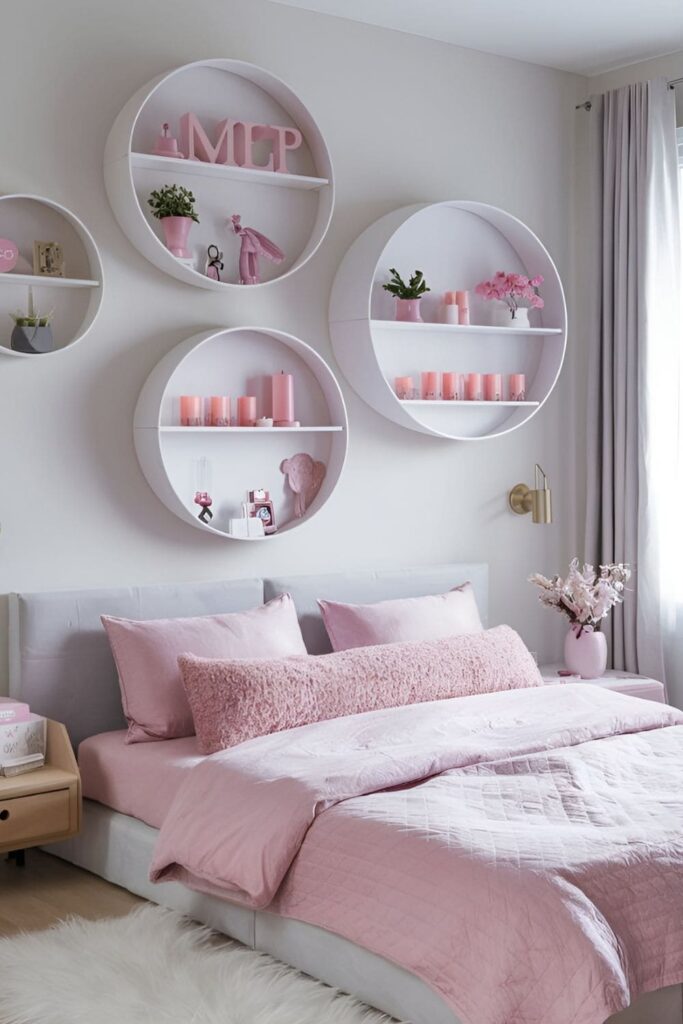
x: 32, y: 332
x: 173, y: 205
x: 408, y: 296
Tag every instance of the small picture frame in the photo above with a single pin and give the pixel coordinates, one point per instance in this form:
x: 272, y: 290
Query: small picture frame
x: 259, y: 506
x: 48, y: 259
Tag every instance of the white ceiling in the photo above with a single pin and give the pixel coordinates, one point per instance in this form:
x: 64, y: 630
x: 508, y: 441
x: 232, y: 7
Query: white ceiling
x: 584, y: 36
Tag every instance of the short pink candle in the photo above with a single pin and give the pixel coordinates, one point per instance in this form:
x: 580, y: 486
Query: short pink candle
x: 449, y: 386
x: 246, y: 410
x: 517, y: 387
x: 404, y: 387
x: 474, y: 391
x: 190, y: 411
x: 430, y: 384
x: 493, y: 387
x: 219, y: 414
x: 283, y: 399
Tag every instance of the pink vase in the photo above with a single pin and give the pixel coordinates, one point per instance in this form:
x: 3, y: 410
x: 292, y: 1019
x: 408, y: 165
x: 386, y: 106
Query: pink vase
x: 408, y: 311
x: 585, y: 655
x: 176, y: 230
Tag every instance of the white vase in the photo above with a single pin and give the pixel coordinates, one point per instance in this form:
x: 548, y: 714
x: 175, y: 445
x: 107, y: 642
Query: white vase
x: 502, y: 316
x: 585, y: 655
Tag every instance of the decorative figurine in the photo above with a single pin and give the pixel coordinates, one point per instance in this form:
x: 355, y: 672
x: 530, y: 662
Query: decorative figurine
x: 203, y: 499
x: 167, y: 145
x: 214, y: 263
x: 254, y: 245
x: 305, y: 477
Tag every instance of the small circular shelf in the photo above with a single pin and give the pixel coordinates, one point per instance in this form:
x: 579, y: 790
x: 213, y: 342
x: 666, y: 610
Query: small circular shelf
x: 74, y: 300
x: 456, y: 244
x: 293, y: 209
x: 229, y: 461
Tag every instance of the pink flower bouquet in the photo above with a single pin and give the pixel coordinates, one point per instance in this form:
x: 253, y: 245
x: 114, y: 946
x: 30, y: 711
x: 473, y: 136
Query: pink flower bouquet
x: 585, y: 596
x: 514, y: 289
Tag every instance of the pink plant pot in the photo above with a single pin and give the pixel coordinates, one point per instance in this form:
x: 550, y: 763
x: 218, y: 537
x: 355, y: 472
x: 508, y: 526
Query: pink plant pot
x: 408, y: 311
x: 585, y: 655
x: 176, y: 231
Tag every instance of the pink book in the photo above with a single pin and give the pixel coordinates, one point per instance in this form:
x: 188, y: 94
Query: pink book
x: 13, y: 711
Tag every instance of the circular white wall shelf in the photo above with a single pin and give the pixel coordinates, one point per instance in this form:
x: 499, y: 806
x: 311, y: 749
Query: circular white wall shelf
x: 456, y: 244
x: 293, y: 209
x: 74, y: 299
x: 228, y: 461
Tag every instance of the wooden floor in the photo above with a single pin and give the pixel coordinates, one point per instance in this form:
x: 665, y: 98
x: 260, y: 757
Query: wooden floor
x: 48, y: 889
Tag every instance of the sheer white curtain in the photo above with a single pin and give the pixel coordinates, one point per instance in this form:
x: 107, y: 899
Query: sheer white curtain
x: 634, y: 381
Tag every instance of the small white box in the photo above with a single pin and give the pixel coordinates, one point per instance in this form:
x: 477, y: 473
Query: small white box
x: 19, y: 739
x: 248, y: 526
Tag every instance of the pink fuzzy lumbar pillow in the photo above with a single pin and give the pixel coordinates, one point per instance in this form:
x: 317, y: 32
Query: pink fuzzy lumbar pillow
x: 146, y: 656
x: 234, y: 701
x: 404, y: 619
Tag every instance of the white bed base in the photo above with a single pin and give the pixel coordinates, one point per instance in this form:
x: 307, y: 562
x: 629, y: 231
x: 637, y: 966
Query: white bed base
x: 119, y: 848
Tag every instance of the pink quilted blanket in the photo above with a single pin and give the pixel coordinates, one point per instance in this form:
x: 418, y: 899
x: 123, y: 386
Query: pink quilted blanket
x: 522, y: 851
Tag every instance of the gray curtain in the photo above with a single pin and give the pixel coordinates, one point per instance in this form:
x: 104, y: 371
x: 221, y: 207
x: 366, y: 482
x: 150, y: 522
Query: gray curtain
x: 633, y: 266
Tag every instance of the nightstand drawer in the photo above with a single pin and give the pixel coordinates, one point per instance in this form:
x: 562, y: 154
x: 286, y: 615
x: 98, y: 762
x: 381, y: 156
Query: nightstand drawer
x: 26, y: 818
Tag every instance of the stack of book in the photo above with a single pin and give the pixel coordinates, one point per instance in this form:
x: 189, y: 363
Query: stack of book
x: 22, y: 738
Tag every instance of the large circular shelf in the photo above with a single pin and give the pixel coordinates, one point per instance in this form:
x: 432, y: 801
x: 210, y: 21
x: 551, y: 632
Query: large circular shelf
x: 456, y: 244
x: 293, y: 209
x: 237, y: 361
x: 74, y: 300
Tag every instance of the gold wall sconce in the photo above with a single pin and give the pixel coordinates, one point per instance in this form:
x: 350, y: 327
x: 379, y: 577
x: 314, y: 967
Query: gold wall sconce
x: 523, y: 499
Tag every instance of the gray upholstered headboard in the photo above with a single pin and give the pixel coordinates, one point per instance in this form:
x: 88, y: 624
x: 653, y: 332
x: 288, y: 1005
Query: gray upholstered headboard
x: 60, y: 660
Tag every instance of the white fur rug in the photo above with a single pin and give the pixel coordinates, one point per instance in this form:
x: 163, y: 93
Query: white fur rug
x: 155, y: 967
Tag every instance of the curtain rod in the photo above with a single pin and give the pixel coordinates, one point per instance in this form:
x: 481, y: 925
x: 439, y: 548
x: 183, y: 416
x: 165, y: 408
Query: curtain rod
x: 587, y: 104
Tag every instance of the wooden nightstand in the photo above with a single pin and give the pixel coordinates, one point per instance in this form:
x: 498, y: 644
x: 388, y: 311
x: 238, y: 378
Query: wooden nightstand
x: 45, y: 805
x: 613, y: 679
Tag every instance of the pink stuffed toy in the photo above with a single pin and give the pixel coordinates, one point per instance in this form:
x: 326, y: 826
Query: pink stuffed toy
x: 305, y: 477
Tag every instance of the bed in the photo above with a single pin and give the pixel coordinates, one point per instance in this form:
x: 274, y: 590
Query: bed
x: 60, y: 663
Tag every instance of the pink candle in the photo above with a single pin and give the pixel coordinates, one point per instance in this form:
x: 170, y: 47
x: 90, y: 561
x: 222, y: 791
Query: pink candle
x: 283, y: 399
x: 517, y: 387
x: 493, y: 387
x: 430, y: 384
x: 463, y: 301
x: 246, y: 411
x: 474, y: 391
x: 449, y: 386
x: 220, y: 411
x: 190, y: 411
x: 404, y: 387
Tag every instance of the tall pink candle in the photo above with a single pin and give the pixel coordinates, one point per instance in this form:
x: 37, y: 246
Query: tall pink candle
x: 283, y: 399
x: 517, y: 387
x: 190, y: 411
x: 430, y: 384
x: 493, y: 387
x: 246, y: 411
x: 474, y: 391
x: 219, y: 415
x: 449, y: 386
x: 404, y: 387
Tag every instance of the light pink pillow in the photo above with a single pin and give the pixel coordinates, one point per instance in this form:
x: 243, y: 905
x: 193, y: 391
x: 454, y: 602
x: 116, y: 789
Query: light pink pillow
x: 233, y: 701
x: 406, y: 619
x: 146, y: 656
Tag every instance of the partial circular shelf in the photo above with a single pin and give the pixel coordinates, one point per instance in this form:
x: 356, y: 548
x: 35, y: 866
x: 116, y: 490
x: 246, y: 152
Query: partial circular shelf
x: 456, y: 244
x: 72, y: 300
x: 229, y: 461
x: 293, y: 209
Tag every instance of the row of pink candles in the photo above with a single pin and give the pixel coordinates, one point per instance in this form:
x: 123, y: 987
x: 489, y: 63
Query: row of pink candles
x: 462, y: 387
x: 216, y: 410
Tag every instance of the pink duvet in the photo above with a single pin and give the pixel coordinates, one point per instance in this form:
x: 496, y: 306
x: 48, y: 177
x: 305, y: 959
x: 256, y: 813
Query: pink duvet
x: 522, y: 851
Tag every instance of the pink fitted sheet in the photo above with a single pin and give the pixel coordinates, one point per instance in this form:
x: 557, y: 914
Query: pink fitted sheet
x: 139, y: 779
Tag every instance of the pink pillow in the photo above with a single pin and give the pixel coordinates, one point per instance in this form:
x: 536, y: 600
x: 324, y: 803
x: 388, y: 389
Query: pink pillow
x: 233, y: 701
x: 409, y: 618
x: 146, y: 656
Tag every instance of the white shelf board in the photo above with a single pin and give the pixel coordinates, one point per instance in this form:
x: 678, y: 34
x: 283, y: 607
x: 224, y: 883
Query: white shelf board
x: 401, y: 325
x: 40, y: 281
x: 464, y: 403
x: 249, y: 430
x: 200, y: 168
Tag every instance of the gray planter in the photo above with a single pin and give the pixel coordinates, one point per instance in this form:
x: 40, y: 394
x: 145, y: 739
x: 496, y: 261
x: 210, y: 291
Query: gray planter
x: 33, y: 340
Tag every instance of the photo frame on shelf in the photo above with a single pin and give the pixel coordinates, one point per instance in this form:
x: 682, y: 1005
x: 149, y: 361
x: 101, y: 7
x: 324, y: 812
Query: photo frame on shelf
x: 48, y: 259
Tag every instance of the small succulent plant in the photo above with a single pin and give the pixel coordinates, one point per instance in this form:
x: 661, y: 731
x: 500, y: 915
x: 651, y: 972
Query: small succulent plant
x: 31, y: 319
x: 173, y: 201
x: 415, y: 288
